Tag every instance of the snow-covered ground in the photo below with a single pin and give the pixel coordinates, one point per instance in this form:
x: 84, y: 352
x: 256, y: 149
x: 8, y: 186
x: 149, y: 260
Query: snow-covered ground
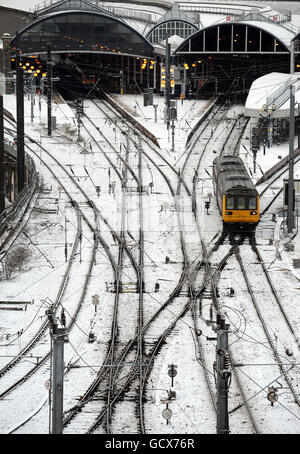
x: 38, y: 281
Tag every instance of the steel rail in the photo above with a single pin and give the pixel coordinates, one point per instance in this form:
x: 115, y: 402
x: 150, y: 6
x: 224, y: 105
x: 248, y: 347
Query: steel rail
x: 208, y: 267
x: 265, y: 328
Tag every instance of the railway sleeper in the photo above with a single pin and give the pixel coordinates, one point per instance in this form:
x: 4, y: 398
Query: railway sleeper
x: 207, y: 294
x: 125, y: 287
x: 185, y: 293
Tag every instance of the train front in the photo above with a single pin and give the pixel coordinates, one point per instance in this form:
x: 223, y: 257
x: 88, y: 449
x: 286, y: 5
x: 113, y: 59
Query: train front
x: 241, y: 209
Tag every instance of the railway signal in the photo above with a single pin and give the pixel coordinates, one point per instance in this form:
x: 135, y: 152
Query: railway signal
x: 173, y: 117
x: 172, y: 372
x: 58, y: 338
x: 79, y: 114
x: 272, y: 395
x: 49, y: 80
x: 207, y: 206
x: 223, y: 374
x: 95, y: 301
x: 167, y: 413
x: 91, y: 338
x: 254, y: 146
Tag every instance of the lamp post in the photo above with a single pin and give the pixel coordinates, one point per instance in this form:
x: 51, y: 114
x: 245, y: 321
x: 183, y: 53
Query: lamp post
x: 32, y: 94
x: 266, y: 112
x: 20, y: 122
x: 254, y: 138
x: 2, y: 164
x: 167, y: 90
x: 290, y: 217
x: 49, y: 89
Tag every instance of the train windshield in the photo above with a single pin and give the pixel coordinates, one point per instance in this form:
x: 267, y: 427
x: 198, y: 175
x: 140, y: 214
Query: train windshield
x: 241, y: 203
x: 230, y: 203
x: 252, y: 203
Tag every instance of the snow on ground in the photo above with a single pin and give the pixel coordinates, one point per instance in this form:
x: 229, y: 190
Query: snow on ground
x: 36, y: 282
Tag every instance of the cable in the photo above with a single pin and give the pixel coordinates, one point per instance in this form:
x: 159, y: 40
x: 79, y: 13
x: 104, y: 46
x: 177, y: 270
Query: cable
x: 196, y: 356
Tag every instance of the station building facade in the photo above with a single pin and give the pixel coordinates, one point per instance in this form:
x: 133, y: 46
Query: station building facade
x: 90, y: 43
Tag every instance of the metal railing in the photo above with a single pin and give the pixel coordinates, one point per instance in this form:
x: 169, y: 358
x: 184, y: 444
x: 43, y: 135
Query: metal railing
x: 127, y: 13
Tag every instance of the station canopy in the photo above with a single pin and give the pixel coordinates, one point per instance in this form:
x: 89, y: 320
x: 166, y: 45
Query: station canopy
x: 272, y: 92
x: 174, y: 23
x: 239, y: 37
x: 71, y: 29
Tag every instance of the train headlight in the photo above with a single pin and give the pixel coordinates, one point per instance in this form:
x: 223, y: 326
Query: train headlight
x: 253, y: 212
x: 228, y: 213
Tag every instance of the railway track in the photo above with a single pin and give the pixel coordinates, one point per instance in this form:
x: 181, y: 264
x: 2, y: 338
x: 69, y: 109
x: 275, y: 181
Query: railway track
x: 190, y: 279
x: 130, y: 379
x: 271, y: 304
x: 96, y: 237
x: 264, y: 194
x: 182, y: 240
x: 234, y: 143
x: 13, y: 221
x: 177, y: 209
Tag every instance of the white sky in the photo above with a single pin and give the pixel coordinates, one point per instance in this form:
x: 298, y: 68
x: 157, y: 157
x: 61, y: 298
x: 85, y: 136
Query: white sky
x: 24, y: 5
x: 27, y: 5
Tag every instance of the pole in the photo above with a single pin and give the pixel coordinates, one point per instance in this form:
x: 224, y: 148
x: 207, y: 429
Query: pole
x: 292, y: 58
x: 254, y: 161
x: 223, y: 375
x: 2, y: 163
x: 269, y: 131
x: 20, y: 124
x: 173, y: 135
x: 58, y: 338
x: 40, y: 95
x: 290, y: 217
x: 155, y: 112
x: 167, y: 101
x: 66, y: 240
x: 78, y: 118
x: 31, y: 97
x: 49, y: 88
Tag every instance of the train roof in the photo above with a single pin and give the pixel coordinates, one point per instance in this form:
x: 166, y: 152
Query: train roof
x: 231, y: 174
x: 228, y: 160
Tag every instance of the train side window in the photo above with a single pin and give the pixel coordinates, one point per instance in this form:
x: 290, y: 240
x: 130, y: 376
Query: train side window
x: 229, y: 203
x: 252, y: 203
x: 241, y: 203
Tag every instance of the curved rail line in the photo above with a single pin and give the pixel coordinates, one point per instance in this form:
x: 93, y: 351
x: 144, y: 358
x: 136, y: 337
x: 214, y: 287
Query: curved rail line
x: 262, y: 320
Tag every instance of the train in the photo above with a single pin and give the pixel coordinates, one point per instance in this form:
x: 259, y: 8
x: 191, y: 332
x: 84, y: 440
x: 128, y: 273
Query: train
x: 237, y: 197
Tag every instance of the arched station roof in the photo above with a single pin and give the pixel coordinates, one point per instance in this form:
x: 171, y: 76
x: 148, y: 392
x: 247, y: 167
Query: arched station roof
x: 65, y: 5
x: 82, y: 31
x: 174, y: 22
x: 239, y: 37
x: 297, y: 44
x: 180, y: 28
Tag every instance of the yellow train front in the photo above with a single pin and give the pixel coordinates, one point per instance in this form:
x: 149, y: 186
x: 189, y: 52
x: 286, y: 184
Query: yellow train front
x: 237, y: 197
